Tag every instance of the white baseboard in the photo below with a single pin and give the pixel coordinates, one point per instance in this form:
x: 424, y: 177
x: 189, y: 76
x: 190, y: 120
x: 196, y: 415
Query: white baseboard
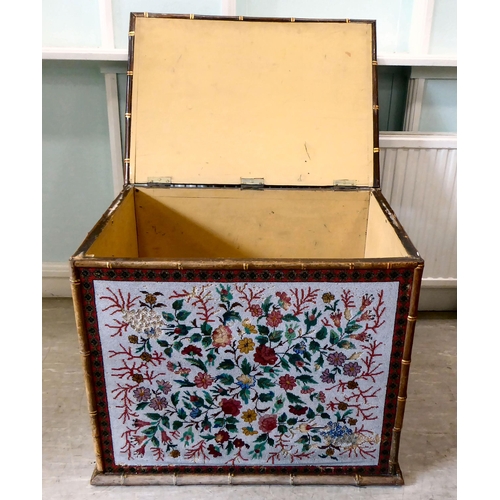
x: 55, y: 279
x: 437, y: 294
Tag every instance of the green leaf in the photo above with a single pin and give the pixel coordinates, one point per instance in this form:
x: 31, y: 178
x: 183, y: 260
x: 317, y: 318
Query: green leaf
x: 317, y: 439
x: 279, y: 404
x: 303, y: 439
x: 352, y: 326
x: 208, y: 398
x: 183, y: 315
x: 230, y: 447
x: 322, y: 333
x: 184, y: 383
x: 177, y: 425
x: 175, y: 398
x: 345, y: 344
x: 275, y: 336
x: 282, y: 418
x: 206, y: 329
x: 290, y: 336
x: 307, y: 379
x: 325, y: 415
x: 261, y: 438
x: 285, y: 365
x: 246, y: 368
x: 177, y: 305
x: 293, y: 398
x: 206, y: 341
x: 165, y: 421
x: 270, y: 441
x: 168, y: 316
x: 320, y: 361
x: 177, y: 345
x: 264, y: 330
x: 141, y: 406
x: 334, y: 338
x: 219, y: 422
x: 196, y: 337
x: 310, y: 414
x: 245, y: 395
x: 261, y: 339
x: 314, y: 346
x: 155, y: 442
x: 225, y: 379
x: 266, y: 396
x: 292, y: 421
x: 265, y: 383
x: 198, y: 363
x: 231, y: 316
x: 153, y: 416
x: 150, y: 431
x: 282, y: 429
x: 320, y: 409
x: 266, y: 305
x: 227, y: 364
x: 163, y: 343
x: 290, y: 317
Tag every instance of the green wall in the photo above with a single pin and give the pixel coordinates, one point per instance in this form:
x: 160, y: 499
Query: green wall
x: 77, y: 182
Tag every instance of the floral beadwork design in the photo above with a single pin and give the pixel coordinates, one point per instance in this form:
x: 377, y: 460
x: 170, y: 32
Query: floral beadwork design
x: 246, y: 373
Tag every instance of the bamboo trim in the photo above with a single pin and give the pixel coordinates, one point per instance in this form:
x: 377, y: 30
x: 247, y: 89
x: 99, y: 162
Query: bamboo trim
x: 243, y: 264
x: 175, y: 479
x: 405, y: 367
x: 87, y: 368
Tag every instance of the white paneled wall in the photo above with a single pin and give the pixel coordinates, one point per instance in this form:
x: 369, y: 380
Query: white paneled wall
x: 418, y: 178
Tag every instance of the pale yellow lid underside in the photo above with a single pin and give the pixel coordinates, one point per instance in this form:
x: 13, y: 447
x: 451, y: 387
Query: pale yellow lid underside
x: 215, y: 101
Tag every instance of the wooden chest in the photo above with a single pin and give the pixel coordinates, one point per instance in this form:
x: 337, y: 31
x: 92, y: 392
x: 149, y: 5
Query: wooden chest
x: 246, y: 306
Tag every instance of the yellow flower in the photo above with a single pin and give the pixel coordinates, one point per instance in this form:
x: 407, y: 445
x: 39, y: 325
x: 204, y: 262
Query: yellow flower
x: 249, y: 416
x: 249, y: 328
x: 248, y: 431
x: 246, y: 345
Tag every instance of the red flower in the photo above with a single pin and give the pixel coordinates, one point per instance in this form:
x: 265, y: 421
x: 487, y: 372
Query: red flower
x: 297, y: 409
x: 265, y: 355
x: 140, y: 423
x: 239, y: 443
x: 214, y: 451
x: 256, y: 311
x: 231, y: 406
x: 203, y: 380
x: 268, y: 423
x: 322, y: 396
x: 191, y: 350
x: 287, y: 382
x: 222, y: 437
x: 274, y: 319
x: 284, y: 301
x: 336, y: 319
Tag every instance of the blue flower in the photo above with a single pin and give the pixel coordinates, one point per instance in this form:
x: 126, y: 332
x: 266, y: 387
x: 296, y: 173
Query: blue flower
x: 300, y: 348
x: 195, y: 412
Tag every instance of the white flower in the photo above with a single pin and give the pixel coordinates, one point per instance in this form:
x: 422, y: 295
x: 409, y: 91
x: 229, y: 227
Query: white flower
x: 144, y: 321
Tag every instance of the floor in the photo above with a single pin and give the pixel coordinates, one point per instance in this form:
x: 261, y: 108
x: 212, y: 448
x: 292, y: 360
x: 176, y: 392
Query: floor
x: 428, y: 452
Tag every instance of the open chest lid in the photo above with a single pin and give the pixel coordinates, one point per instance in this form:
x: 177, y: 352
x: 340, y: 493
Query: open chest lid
x: 212, y: 101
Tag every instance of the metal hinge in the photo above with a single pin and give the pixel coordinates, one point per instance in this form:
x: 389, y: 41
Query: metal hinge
x: 159, y: 181
x: 345, y: 183
x: 252, y: 183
